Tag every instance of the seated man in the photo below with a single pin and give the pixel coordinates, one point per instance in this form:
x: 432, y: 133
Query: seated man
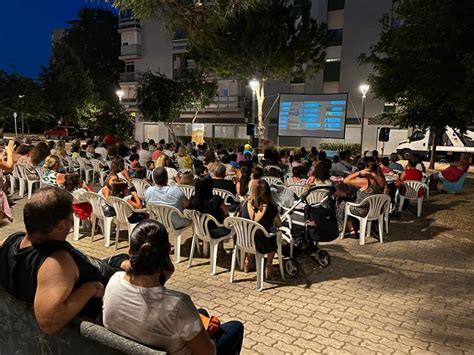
x: 219, y: 180
x: 343, y: 167
x: 161, y: 194
x: 40, y: 267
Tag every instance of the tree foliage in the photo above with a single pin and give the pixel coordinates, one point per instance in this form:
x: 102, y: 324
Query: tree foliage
x: 67, y: 83
x: 272, y: 40
x: 161, y: 99
x: 31, y: 105
x: 95, y: 40
x: 424, y: 63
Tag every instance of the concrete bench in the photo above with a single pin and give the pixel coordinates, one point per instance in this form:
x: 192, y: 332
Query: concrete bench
x: 20, y: 334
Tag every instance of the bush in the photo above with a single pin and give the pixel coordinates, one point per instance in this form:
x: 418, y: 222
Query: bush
x: 353, y: 147
x: 227, y: 143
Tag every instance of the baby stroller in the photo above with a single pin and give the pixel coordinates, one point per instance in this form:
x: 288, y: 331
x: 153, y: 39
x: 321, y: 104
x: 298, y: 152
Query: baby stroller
x: 309, y: 220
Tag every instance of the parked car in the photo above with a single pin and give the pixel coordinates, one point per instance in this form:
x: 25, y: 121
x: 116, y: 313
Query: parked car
x: 64, y: 132
x: 85, y: 133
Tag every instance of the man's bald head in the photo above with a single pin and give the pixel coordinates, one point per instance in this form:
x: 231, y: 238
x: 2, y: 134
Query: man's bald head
x: 47, y: 207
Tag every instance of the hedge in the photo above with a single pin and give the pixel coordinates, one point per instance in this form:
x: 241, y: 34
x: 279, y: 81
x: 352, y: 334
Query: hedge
x: 227, y: 143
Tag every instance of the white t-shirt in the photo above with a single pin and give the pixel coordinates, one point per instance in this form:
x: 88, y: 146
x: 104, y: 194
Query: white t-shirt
x: 155, y: 316
x: 102, y: 151
x: 144, y: 155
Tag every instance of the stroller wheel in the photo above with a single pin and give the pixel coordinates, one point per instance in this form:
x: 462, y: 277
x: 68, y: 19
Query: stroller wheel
x: 323, y: 258
x: 291, y: 268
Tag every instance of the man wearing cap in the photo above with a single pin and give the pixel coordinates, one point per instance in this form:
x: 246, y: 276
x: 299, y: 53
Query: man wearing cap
x: 393, y: 162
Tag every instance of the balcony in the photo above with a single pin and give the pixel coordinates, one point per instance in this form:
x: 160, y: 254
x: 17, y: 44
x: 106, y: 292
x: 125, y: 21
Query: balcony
x: 180, y: 45
x: 182, y: 72
x: 130, y: 77
x: 129, y: 23
x: 130, y: 51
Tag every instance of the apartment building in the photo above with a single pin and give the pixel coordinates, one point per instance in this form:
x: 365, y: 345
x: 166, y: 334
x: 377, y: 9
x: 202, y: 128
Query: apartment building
x: 355, y: 25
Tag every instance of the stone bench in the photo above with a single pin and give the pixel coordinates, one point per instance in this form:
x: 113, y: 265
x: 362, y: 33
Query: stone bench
x: 20, y: 334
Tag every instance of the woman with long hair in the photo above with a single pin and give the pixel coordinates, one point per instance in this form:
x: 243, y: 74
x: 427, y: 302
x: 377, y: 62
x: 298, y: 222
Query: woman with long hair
x: 77, y: 187
x: 259, y: 207
x: 137, y: 304
x: 183, y: 159
x: 39, y: 154
x: 205, y: 201
x: 51, y: 174
x: 118, y: 167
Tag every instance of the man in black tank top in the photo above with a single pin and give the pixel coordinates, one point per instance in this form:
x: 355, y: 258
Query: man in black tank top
x: 40, y: 267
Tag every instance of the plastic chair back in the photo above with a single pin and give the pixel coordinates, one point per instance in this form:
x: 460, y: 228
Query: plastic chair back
x: 200, y: 223
x: 96, y: 202
x: 96, y: 165
x: 297, y: 189
x: 276, y: 167
x: 412, y: 188
x: 245, y: 231
x: 188, y: 190
x: 317, y: 196
x: 377, y: 205
x: 122, y: 208
x: 271, y: 180
x: 225, y: 195
x: 141, y: 186
x: 164, y: 214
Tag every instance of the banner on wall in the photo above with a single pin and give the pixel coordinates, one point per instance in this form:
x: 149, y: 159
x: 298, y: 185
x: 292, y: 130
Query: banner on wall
x: 197, y: 133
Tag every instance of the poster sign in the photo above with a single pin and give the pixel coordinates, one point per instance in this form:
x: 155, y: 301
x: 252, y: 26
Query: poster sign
x: 197, y: 135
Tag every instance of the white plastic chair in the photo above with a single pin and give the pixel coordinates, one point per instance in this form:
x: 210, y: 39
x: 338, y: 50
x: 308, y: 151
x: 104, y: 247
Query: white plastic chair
x: 15, y: 175
x: 201, y: 231
x: 71, y: 164
x: 97, y: 169
x: 30, y: 183
x: 40, y: 170
x: 272, y: 180
x: 77, y: 220
x: 149, y: 174
x: 225, y: 195
x: 297, y: 189
x: 182, y: 171
x: 412, y: 188
x: 122, y: 209
x: 229, y: 177
x: 188, y: 190
x: 85, y: 169
x: 317, y: 196
x: 270, y: 167
x: 378, y: 205
x: 245, y: 231
x: 98, y: 214
x: 141, y: 186
x: 164, y: 214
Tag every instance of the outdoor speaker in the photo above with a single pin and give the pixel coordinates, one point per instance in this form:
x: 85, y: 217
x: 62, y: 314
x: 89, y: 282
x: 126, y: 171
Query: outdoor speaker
x: 250, y: 129
x: 384, y: 134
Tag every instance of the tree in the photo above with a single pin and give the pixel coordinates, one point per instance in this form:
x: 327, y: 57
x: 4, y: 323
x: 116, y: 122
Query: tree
x: 273, y: 40
x: 161, y: 99
x: 95, y: 40
x: 22, y: 95
x: 424, y: 64
x: 67, y: 84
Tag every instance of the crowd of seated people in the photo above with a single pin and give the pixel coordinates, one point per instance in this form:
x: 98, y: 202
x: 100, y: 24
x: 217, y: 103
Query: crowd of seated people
x: 167, y: 166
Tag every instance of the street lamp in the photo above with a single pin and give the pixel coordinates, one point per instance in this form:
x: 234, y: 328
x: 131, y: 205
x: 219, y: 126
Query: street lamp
x: 15, y: 115
x: 120, y: 94
x: 364, y: 88
x: 254, y: 85
x: 21, y: 113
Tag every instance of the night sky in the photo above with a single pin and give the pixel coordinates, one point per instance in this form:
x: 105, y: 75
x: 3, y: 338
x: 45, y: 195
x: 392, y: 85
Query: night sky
x: 26, y: 27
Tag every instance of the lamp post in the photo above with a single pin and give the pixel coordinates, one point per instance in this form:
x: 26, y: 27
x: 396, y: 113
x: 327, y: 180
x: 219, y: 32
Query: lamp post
x: 364, y: 88
x: 21, y: 114
x: 254, y: 85
x: 120, y: 95
x: 15, y: 115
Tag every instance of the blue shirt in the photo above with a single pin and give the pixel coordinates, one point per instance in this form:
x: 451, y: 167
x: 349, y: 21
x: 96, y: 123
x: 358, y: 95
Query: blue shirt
x: 170, y: 196
x: 395, y: 166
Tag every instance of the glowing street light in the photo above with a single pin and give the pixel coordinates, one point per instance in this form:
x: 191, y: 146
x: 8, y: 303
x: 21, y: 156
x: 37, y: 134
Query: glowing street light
x: 120, y: 94
x: 364, y: 88
x: 254, y: 85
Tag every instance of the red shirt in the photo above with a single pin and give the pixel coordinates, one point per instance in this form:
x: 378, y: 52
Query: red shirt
x: 412, y: 174
x: 453, y: 173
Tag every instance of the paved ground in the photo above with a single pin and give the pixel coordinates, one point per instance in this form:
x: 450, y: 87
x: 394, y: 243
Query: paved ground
x: 411, y: 294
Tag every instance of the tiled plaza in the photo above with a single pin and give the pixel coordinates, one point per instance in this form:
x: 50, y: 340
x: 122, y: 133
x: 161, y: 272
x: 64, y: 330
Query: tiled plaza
x: 412, y: 294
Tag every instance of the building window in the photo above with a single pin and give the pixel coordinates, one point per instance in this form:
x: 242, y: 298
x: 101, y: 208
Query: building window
x: 389, y: 108
x: 335, y: 37
x: 332, y: 71
x: 224, y: 131
x: 130, y: 67
x: 334, y: 5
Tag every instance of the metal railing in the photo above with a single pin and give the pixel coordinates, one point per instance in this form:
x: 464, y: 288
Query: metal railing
x: 130, y: 77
